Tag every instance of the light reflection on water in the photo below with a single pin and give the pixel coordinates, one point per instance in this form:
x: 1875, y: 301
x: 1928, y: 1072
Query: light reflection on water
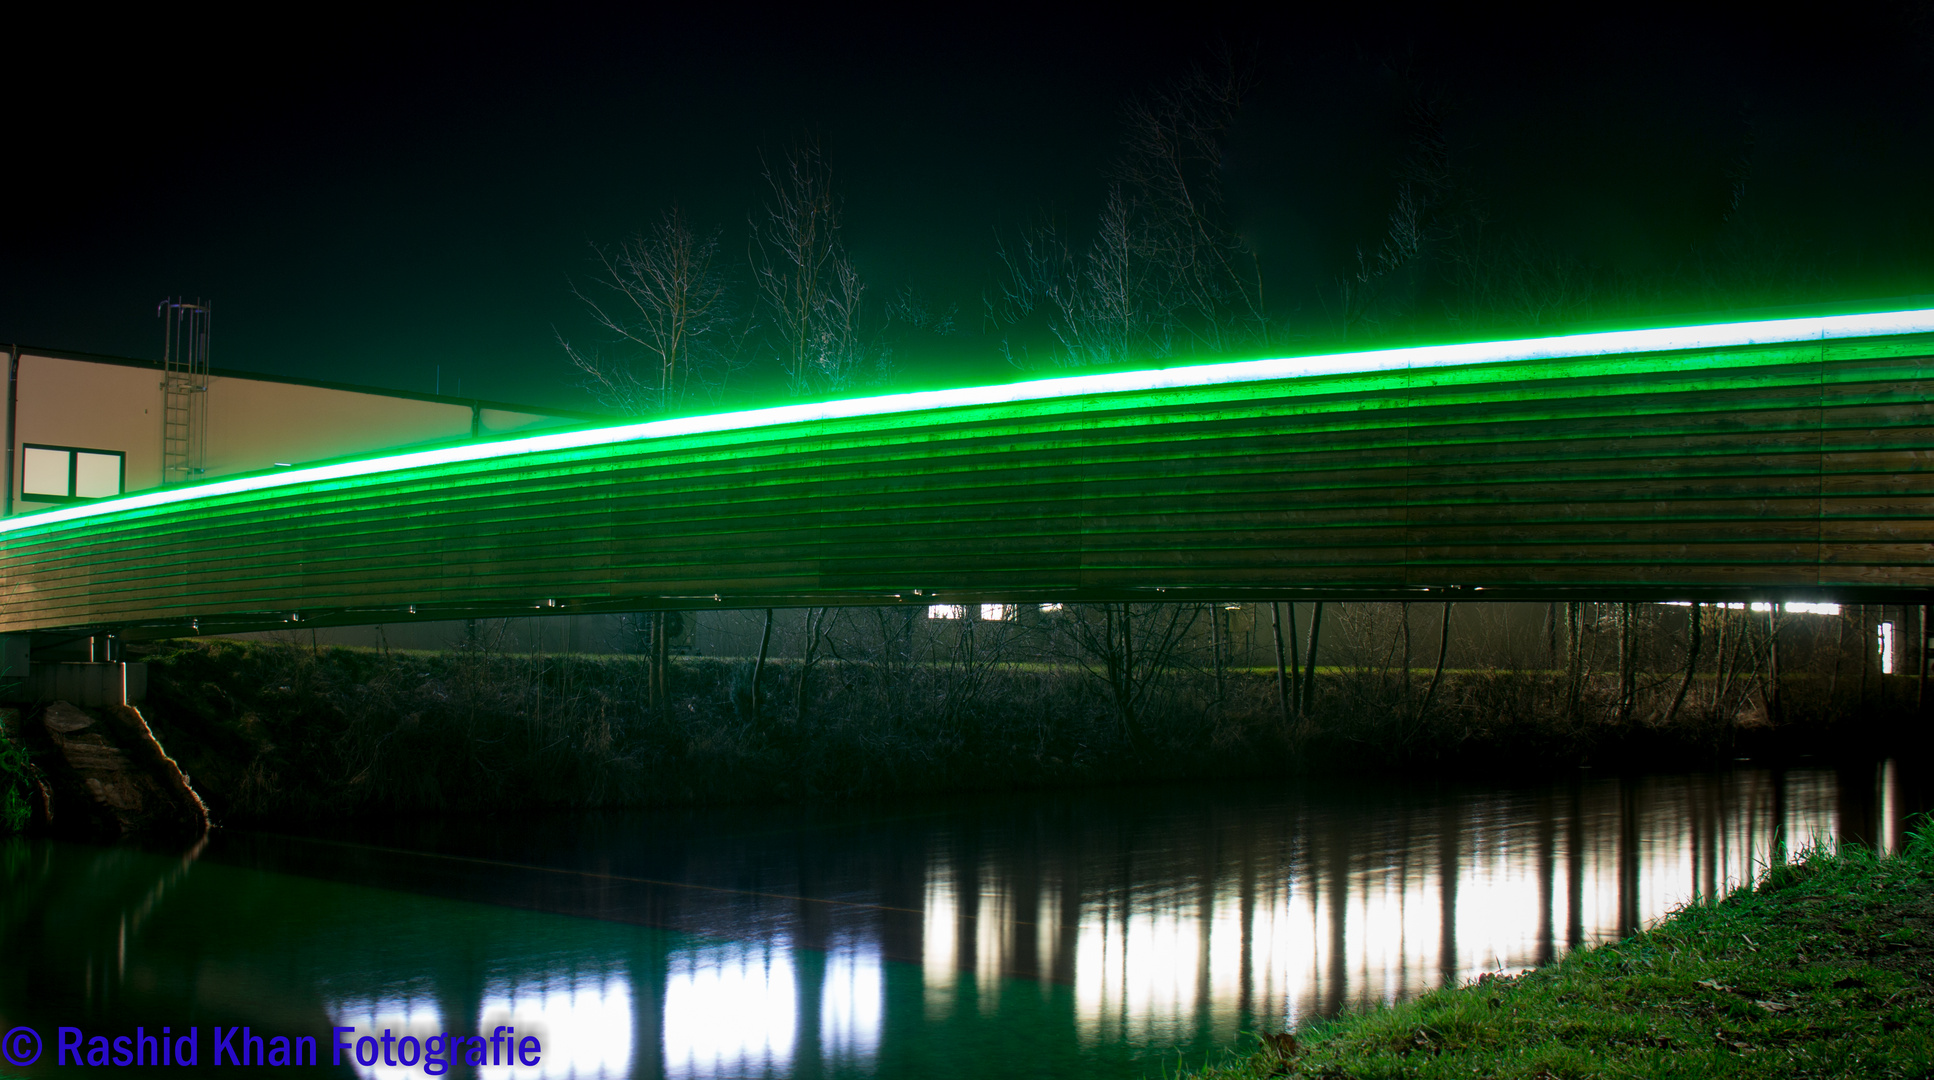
x: 584, y: 1018
x: 415, y: 1017
x: 852, y: 1004
x: 1092, y: 932
x: 730, y: 1010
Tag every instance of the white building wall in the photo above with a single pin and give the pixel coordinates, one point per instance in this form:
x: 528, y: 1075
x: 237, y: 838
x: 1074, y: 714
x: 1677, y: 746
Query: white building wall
x: 92, y: 405
x: 252, y: 424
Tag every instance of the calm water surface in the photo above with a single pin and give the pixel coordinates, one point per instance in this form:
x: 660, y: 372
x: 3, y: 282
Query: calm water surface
x: 1091, y: 934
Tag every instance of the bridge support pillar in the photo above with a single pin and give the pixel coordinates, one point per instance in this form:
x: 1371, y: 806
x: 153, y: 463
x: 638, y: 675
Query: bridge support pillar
x: 14, y: 657
x: 87, y: 684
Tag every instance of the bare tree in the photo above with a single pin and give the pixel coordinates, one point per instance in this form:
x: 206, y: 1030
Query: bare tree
x: 1164, y: 273
x: 1366, y: 290
x: 1129, y: 650
x: 1102, y: 307
x: 804, y: 275
x: 664, y: 293
x: 1210, y: 293
x: 1430, y: 220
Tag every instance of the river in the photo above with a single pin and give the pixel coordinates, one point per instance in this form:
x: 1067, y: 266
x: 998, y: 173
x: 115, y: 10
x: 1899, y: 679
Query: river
x: 1094, y: 933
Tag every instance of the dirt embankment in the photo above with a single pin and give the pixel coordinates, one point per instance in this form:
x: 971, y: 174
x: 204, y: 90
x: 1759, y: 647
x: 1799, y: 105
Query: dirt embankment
x: 101, y: 774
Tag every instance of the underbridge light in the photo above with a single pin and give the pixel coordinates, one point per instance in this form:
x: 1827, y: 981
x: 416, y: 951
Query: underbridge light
x: 1422, y: 357
x: 1810, y: 609
x: 1790, y: 607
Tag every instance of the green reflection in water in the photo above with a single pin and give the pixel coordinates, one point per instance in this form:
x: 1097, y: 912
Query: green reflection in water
x: 106, y: 939
x: 1091, y: 933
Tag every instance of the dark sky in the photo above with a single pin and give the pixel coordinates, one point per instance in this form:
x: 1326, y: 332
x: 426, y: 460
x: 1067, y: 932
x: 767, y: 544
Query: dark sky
x: 368, y: 198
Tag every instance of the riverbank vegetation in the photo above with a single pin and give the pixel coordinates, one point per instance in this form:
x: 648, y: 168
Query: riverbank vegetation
x: 17, y: 787
x: 1824, y: 969
x: 885, y: 702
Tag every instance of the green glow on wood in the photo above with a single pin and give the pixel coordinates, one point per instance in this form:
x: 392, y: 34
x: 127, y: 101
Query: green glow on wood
x: 1397, y: 362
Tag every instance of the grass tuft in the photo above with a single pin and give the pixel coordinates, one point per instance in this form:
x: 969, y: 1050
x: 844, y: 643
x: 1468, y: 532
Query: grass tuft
x: 1824, y: 968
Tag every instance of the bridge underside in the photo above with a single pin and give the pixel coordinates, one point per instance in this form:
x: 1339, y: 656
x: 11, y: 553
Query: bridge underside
x: 1789, y: 471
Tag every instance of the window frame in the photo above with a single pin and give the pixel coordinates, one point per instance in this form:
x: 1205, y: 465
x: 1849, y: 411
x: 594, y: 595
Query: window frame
x: 73, y: 473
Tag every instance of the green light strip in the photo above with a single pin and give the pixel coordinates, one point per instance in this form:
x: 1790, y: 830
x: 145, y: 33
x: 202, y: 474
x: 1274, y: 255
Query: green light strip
x: 1613, y: 343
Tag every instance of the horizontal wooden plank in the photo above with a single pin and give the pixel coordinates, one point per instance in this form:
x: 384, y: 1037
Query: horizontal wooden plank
x: 1637, y: 474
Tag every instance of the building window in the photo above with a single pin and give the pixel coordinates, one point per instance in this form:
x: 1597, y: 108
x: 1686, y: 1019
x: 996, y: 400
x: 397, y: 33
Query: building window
x: 997, y: 612
x: 947, y: 611
x: 1886, y: 644
x: 70, y: 474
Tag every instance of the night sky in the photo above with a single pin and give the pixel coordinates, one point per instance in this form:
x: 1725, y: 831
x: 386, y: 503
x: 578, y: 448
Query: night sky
x: 367, y: 199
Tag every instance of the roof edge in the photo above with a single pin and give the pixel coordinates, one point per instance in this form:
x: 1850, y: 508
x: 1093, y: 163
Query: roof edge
x: 320, y: 384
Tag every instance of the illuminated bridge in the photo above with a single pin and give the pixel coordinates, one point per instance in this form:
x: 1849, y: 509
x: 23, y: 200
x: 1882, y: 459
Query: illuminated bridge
x: 1789, y: 458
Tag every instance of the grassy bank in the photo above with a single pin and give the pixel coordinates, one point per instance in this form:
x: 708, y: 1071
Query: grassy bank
x: 1825, y: 969
x: 277, y: 731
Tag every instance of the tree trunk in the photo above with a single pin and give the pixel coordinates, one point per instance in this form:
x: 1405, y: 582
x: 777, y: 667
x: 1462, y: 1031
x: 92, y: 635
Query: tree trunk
x: 1574, y: 656
x: 1443, y: 647
x: 1627, y: 662
x: 1403, y: 612
x: 1282, y: 673
x: 815, y: 623
x: 1866, y: 655
x: 1839, y: 654
x: 1295, y: 661
x: 1741, y: 633
x: 1719, y: 654
x: 1692, y: 662
x: 661, y: 649
x: 1309, y: 669
x: 758, y: 666
x: 1920, y: 656
x: 1126, y: 694
x: 1551, y: 634
x: 1216, y: 613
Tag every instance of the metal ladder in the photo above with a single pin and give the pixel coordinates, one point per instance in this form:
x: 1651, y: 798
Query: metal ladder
x: 184, y: 389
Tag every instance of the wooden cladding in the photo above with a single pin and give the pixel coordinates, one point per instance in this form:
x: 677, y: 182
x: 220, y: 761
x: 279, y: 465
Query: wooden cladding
x: 1753, y: 473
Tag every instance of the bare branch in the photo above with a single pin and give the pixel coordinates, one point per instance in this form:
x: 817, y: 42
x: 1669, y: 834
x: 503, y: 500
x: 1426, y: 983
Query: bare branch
x: 1164, y: 274
x: 663, y: 293
x: 805, y: 277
